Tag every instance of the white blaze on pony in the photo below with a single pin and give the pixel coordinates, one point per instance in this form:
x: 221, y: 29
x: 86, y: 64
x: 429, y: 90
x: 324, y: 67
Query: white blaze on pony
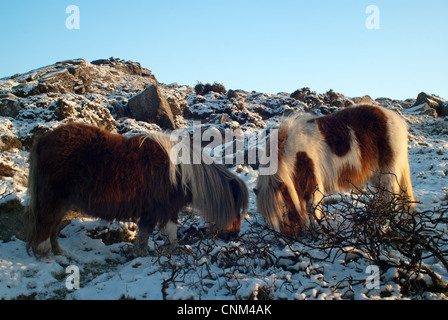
x: 354, y: 146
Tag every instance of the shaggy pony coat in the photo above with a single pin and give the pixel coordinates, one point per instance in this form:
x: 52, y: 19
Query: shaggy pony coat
x: 110, y: 176
x: 354, y: 146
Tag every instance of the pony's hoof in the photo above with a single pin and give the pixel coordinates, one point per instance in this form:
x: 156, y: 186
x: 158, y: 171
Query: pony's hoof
x: 139, y: 251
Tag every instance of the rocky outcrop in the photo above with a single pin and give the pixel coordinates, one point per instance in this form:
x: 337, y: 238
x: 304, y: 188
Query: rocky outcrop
x: 323, y: 101
x: 132, y: 68
x: 307, y: 96
x: 95, y: 93
x: 428, y: 102
x: 75, y: 76
x: 338, y: 100
x: 364, y: 99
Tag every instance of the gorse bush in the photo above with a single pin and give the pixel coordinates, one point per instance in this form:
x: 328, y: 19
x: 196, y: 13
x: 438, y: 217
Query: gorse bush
x: 381, y: 226
x: 357, y: 230
x: 203, y: 89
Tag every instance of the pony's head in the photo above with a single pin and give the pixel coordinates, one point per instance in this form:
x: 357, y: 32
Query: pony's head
x: 278, y: 205
x: 277, y: 197
x: 220, y: 196
x: 234, y: 200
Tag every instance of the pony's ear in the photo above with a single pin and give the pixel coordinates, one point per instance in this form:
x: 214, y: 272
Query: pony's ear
x: 255, y: 191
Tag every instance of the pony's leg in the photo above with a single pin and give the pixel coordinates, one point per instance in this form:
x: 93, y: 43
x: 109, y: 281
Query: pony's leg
x: 51, y: 243
x: 166, y: 216
x: 55, y: 243
x: 48, y: 220
x: 141, y: 242
x: 316, y: 204
x: 170, y: 231
x: 43, y: 248
x: 406, y: 187
x: 39, y: 231
x: 387, y: 184
x: 314, y: 211
x: 55, y: 231
x: 169, y: 228
x: 146, y: 226
x: 398, y: 186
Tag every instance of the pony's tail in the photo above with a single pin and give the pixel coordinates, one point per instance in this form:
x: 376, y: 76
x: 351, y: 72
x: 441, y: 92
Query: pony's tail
x: 32, y: 235
x: 217, y: 193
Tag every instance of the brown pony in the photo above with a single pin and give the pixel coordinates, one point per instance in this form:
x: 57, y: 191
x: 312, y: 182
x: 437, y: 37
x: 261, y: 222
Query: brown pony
x: 110, y: 176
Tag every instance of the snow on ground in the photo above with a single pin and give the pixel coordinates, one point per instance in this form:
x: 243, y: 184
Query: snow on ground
x: 257, y: 265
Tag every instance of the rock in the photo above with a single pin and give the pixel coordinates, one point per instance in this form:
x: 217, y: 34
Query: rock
x: 430, y: 112
x: 224, y: 118
x: 232, y: 94
x: 407, y: 103
x: 37, y: 131
x: 105, y: 76
x: 74, y: 76
x: 6, y: 170
x: 24, y: 89
x: 199, y: 111
x: 151, y: 106
x: 338, y: 100
x: 64, y: 109
x: 131, y: 127
x: 383, y: 101
x: 132, y: 68
x: 88, y: 112
x: 431, y: 99
x: 71, y: 62
x: 300, y: 94
x: 324, y: 110
x: 364, y: 99
x: 423, y: 109
x: 444, y: 109
x: 121, y: 111
x: 12, y: 217
x: 177, y: 105
x: 420, y: 107
x: 308, y: 97
x: 10, y: 107
x: 8, y: 142
x: 427, y: 101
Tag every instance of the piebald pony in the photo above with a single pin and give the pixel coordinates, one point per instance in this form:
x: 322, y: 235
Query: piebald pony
x: 317, y: 155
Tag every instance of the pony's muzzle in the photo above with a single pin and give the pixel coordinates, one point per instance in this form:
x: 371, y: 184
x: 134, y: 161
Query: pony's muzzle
x: 230, y: 232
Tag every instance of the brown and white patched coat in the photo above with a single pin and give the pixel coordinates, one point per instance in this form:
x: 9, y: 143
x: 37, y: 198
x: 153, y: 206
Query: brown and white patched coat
x: 317, y: 155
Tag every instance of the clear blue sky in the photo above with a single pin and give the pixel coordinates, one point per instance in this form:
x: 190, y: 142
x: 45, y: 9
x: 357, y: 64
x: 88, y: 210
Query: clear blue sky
x: 268, y: 46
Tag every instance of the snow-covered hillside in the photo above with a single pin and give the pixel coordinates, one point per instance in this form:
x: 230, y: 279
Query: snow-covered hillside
x: 259, y: 264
